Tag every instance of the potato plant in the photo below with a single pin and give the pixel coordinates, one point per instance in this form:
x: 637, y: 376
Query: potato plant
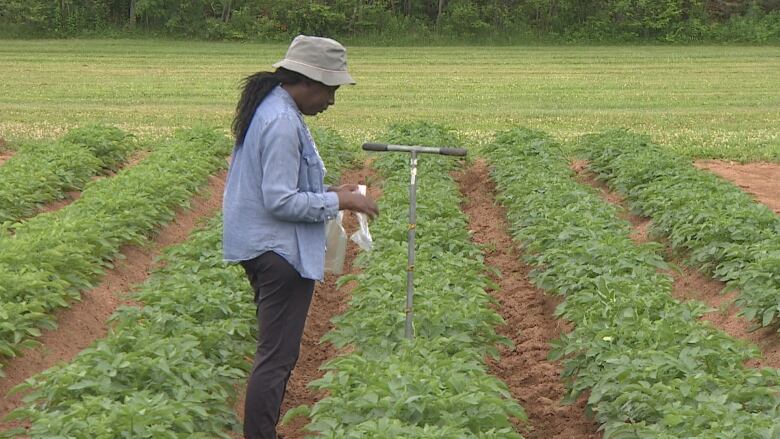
x: 652, y: 368
x: 44, y: 172
x: 168, y: 369
x: 438, y: 384
x: 715, y: 223
x: 47, y: 261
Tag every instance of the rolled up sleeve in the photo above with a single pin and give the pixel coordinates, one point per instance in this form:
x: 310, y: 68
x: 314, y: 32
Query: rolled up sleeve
x: 280, y: 158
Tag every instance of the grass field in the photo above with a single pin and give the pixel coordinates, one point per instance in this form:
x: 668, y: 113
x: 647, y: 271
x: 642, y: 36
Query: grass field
x: 714, y: 101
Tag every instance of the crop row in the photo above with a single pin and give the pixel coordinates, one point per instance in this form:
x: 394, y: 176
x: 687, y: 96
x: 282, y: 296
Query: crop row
x: 437, y: 385
x: 166, y: 369
x: 721, y: 227
x: 652, y: 368
x: 48, y: 260
x: 40, y: 173
x: 169, y: 368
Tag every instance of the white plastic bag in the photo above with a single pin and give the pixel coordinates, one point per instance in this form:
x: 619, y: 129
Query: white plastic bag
x: 336, y: 239
x: 362, y: 237
x: 336, y: 245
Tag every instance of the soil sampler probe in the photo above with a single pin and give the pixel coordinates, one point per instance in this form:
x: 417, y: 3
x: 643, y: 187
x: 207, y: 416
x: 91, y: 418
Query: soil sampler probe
x: 413, y: 150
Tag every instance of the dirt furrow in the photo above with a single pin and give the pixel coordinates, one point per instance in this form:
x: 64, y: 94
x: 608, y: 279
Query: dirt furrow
x: 327, y: 303
x: 691, y: 284
x: 761, y: 180
x: 72, y: 196
x: 533, y: 380
x: 85, y: 321
x: 5, y: 155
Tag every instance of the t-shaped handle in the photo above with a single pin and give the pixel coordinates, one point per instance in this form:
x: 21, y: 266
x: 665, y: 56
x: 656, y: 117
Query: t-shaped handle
x: 384, y: 147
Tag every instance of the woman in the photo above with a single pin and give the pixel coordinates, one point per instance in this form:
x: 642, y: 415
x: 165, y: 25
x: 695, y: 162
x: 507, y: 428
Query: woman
x: 275, y: 208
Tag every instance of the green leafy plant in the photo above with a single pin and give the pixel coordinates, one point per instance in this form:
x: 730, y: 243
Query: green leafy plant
x: 46, y: 261
x: 652, y: 368
x: 168, y: 369
x: 43, y: 172
x: 435, y: 385
x: 719, y: 226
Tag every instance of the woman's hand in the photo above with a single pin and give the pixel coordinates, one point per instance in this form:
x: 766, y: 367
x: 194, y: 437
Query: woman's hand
x: 356, y: 202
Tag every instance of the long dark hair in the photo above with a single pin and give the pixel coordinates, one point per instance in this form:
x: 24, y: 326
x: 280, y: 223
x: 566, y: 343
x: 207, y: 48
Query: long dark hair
x: 254, y: 89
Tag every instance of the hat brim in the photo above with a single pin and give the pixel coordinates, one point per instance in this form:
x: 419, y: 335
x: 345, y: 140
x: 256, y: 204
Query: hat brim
x: 327, y: 77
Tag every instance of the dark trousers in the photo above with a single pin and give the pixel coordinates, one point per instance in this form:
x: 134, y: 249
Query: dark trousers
x: 282, y: 297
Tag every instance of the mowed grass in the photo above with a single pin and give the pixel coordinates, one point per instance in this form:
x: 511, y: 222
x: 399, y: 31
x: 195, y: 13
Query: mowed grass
x: 717, y: 102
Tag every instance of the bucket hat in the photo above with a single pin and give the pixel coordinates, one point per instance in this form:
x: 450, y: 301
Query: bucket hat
x: 321, y: 59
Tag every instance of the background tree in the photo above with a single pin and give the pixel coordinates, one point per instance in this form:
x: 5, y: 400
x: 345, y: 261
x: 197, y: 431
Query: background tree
x: 470, y: 20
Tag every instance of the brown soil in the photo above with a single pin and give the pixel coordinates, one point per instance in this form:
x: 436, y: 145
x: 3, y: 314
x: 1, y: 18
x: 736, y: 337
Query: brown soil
x: 72, y: 196
x: 533, y: 380
x: 640, y: 226
x: 85, y: 321
x: 56, y: 205
x: 5, y: 155
x: 328, y: 302
x: 691, y: 284
x: 694, y: 285
x: 761, y: 180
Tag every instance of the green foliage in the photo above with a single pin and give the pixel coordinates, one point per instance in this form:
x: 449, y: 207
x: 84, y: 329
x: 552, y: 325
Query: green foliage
x: 109, y: 144
x: 46, y: 261
x: 436, y: 385
x: 652, y: 368
x: 721, y: 228
x: 167, y: 369
x: 40, y: 173
x: 425, y: 386
x: 463, y: 20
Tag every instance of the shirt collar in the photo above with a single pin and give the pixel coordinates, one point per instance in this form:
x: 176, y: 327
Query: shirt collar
x: 282, y: 93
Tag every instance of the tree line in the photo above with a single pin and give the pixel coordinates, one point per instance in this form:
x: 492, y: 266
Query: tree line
x: 401, y: 20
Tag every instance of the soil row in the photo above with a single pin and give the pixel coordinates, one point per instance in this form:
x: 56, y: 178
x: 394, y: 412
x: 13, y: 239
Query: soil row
x: 85, y: 321
x: 533, y: 380
x: 4, y: 154
x: 761, y: 180
x: 72, y: 196
x: 528, y: 313
x: 329, y: 301
x: 692, y: 284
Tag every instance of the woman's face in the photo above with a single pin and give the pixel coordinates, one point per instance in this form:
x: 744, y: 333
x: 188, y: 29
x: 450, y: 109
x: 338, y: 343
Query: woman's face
x: 317, y: 98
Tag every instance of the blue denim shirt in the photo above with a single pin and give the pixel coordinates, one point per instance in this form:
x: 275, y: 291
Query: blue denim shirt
x: 275, y: 198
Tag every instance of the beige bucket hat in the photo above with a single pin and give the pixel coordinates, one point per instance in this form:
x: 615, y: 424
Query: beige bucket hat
x: 321, y: 59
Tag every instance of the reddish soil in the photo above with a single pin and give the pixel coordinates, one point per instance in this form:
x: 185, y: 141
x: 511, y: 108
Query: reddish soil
x: 328, y: 302
x: 694, y: 285
x: 56, y: 205
x: 3, y: 152
x: 533, y: 380
x: 640, y: 226
x: 72, y: 196
x: 85, y: 321
x: 691, y: 284
x: 761, y: 180
x: 5, y: 155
